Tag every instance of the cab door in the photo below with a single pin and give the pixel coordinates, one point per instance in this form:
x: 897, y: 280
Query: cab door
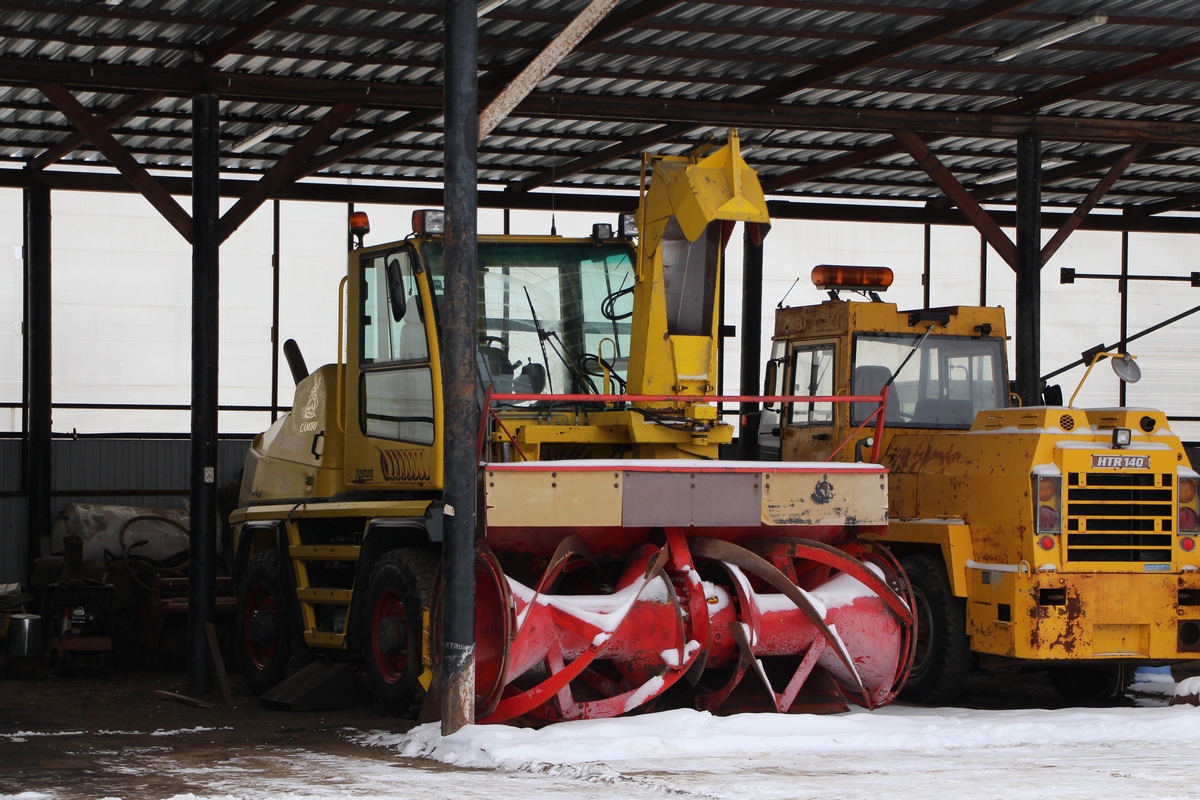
x: 393, y: 387
x: 807, y: 426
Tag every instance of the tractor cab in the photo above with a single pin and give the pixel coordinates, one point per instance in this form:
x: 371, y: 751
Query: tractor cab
x: 940, y: 366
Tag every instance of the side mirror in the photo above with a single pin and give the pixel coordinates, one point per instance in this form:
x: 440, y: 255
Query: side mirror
x: 771, y: 381
x: 395, y: 282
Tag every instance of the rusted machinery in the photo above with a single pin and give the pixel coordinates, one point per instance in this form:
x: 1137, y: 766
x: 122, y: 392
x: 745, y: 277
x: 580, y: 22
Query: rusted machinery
x: 619, y: 565
x: 1042, y: 536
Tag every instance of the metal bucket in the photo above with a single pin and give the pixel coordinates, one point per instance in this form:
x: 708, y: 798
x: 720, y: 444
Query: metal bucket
x: 24, y: 636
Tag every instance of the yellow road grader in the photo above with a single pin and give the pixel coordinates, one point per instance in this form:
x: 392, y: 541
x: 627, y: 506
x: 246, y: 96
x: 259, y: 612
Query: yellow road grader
x: 1051, y: 536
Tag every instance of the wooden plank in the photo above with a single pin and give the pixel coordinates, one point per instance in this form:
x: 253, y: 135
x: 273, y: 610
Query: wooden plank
x: 183, y: 698
x: 214, y: 650
x: 537, y: 69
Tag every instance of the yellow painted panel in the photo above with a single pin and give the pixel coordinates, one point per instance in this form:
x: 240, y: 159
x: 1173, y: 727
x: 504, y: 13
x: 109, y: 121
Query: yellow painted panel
x: 825, y: 498
x: 553, y: 497
x: 337, y: 596
x: 953, y: 538
x: 1058, y: 615
x: 324, y: 510
x: 325, y: 552
x: 335, y: 641
x: 1120, y: 640
x: 692, y: 356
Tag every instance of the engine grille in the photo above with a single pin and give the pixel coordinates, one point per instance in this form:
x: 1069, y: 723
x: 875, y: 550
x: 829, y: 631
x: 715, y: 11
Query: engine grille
x: 1119, y: 517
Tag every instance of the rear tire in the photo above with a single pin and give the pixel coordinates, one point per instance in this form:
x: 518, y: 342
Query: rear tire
x: 393, y: 628
x: 942, y: 657
x: 265, y: 623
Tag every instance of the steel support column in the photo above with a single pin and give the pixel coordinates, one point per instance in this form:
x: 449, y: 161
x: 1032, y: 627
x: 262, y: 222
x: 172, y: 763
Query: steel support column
x: 927, y: 268
x: 1029, y: 269
x: 39, y: 364
x: 752, y: 287
x: 274, y: 311
x: 206, y: 244
x: 458, y: 365
x: 1123, y: 288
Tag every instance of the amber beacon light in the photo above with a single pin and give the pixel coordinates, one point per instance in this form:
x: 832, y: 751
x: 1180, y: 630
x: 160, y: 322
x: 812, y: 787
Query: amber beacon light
x: 831, y: 276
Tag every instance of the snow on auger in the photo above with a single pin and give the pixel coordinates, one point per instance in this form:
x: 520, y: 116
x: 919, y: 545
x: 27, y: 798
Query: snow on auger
x: 621, y: 565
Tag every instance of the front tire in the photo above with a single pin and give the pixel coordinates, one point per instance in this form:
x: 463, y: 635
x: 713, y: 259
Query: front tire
x: 393, y: 631
x: 265, y: 623
x: 942, y: 656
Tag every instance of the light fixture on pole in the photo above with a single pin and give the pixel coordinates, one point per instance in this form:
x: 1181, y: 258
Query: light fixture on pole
x: 1072, y: 28
x: 245, y: 143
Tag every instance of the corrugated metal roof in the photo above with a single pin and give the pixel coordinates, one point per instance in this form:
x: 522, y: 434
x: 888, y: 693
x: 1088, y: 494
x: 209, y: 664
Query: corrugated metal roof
x: 857, y: 71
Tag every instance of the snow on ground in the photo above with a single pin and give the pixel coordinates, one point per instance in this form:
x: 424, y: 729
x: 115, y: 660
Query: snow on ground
x: 896, y: 752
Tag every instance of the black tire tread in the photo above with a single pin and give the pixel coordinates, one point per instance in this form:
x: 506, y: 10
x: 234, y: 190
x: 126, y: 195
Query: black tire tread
x: 260, y: 681
x: 419, y: 565
x: 945, y: 677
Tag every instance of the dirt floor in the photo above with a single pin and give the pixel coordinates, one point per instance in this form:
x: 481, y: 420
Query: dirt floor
x: 99, y: 736
x: 68, y: 736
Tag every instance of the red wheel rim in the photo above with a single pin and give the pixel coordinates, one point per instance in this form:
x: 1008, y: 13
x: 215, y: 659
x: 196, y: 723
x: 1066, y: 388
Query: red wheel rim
x: 390, y: 611
x: 261, y: 653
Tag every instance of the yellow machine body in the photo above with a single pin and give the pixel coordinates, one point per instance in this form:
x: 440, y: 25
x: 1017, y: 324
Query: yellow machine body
x: 1113, y: 576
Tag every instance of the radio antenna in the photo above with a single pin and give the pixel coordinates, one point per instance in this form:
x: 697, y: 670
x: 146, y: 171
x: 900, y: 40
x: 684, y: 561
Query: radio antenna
x: 785, y: 294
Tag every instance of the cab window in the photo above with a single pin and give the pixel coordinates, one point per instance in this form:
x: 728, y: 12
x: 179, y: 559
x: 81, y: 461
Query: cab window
x: 396, y: 380
x: 812, y: 376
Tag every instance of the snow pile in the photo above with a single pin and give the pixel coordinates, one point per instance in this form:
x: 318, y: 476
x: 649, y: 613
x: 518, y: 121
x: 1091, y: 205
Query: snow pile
x: 1152, y: 682
x: 694, y: 735
x: 1187, y: 692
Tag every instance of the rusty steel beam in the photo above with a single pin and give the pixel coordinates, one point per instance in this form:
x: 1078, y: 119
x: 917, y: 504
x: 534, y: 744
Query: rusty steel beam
x: 866, y: 56
x: 121, y: 112
x: 1061, y: 172
x: 248, y: 29
x: 589, y: 203
x: 1174, y: 204
x: 285, y: 168
x: 1095, y: 81
x: 967, y: 206
x: 609, y: 25
x: 628, y: 17
x: 820, y: 169
x: 783, y: 116
x: 131, y: 105
x: 365, y: 141
x: 1076, y: 217
x: 536, y: 70
x: 826, y: 72
x: 551, y: 105
x: 636, y: 144
x: 119, y: 157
